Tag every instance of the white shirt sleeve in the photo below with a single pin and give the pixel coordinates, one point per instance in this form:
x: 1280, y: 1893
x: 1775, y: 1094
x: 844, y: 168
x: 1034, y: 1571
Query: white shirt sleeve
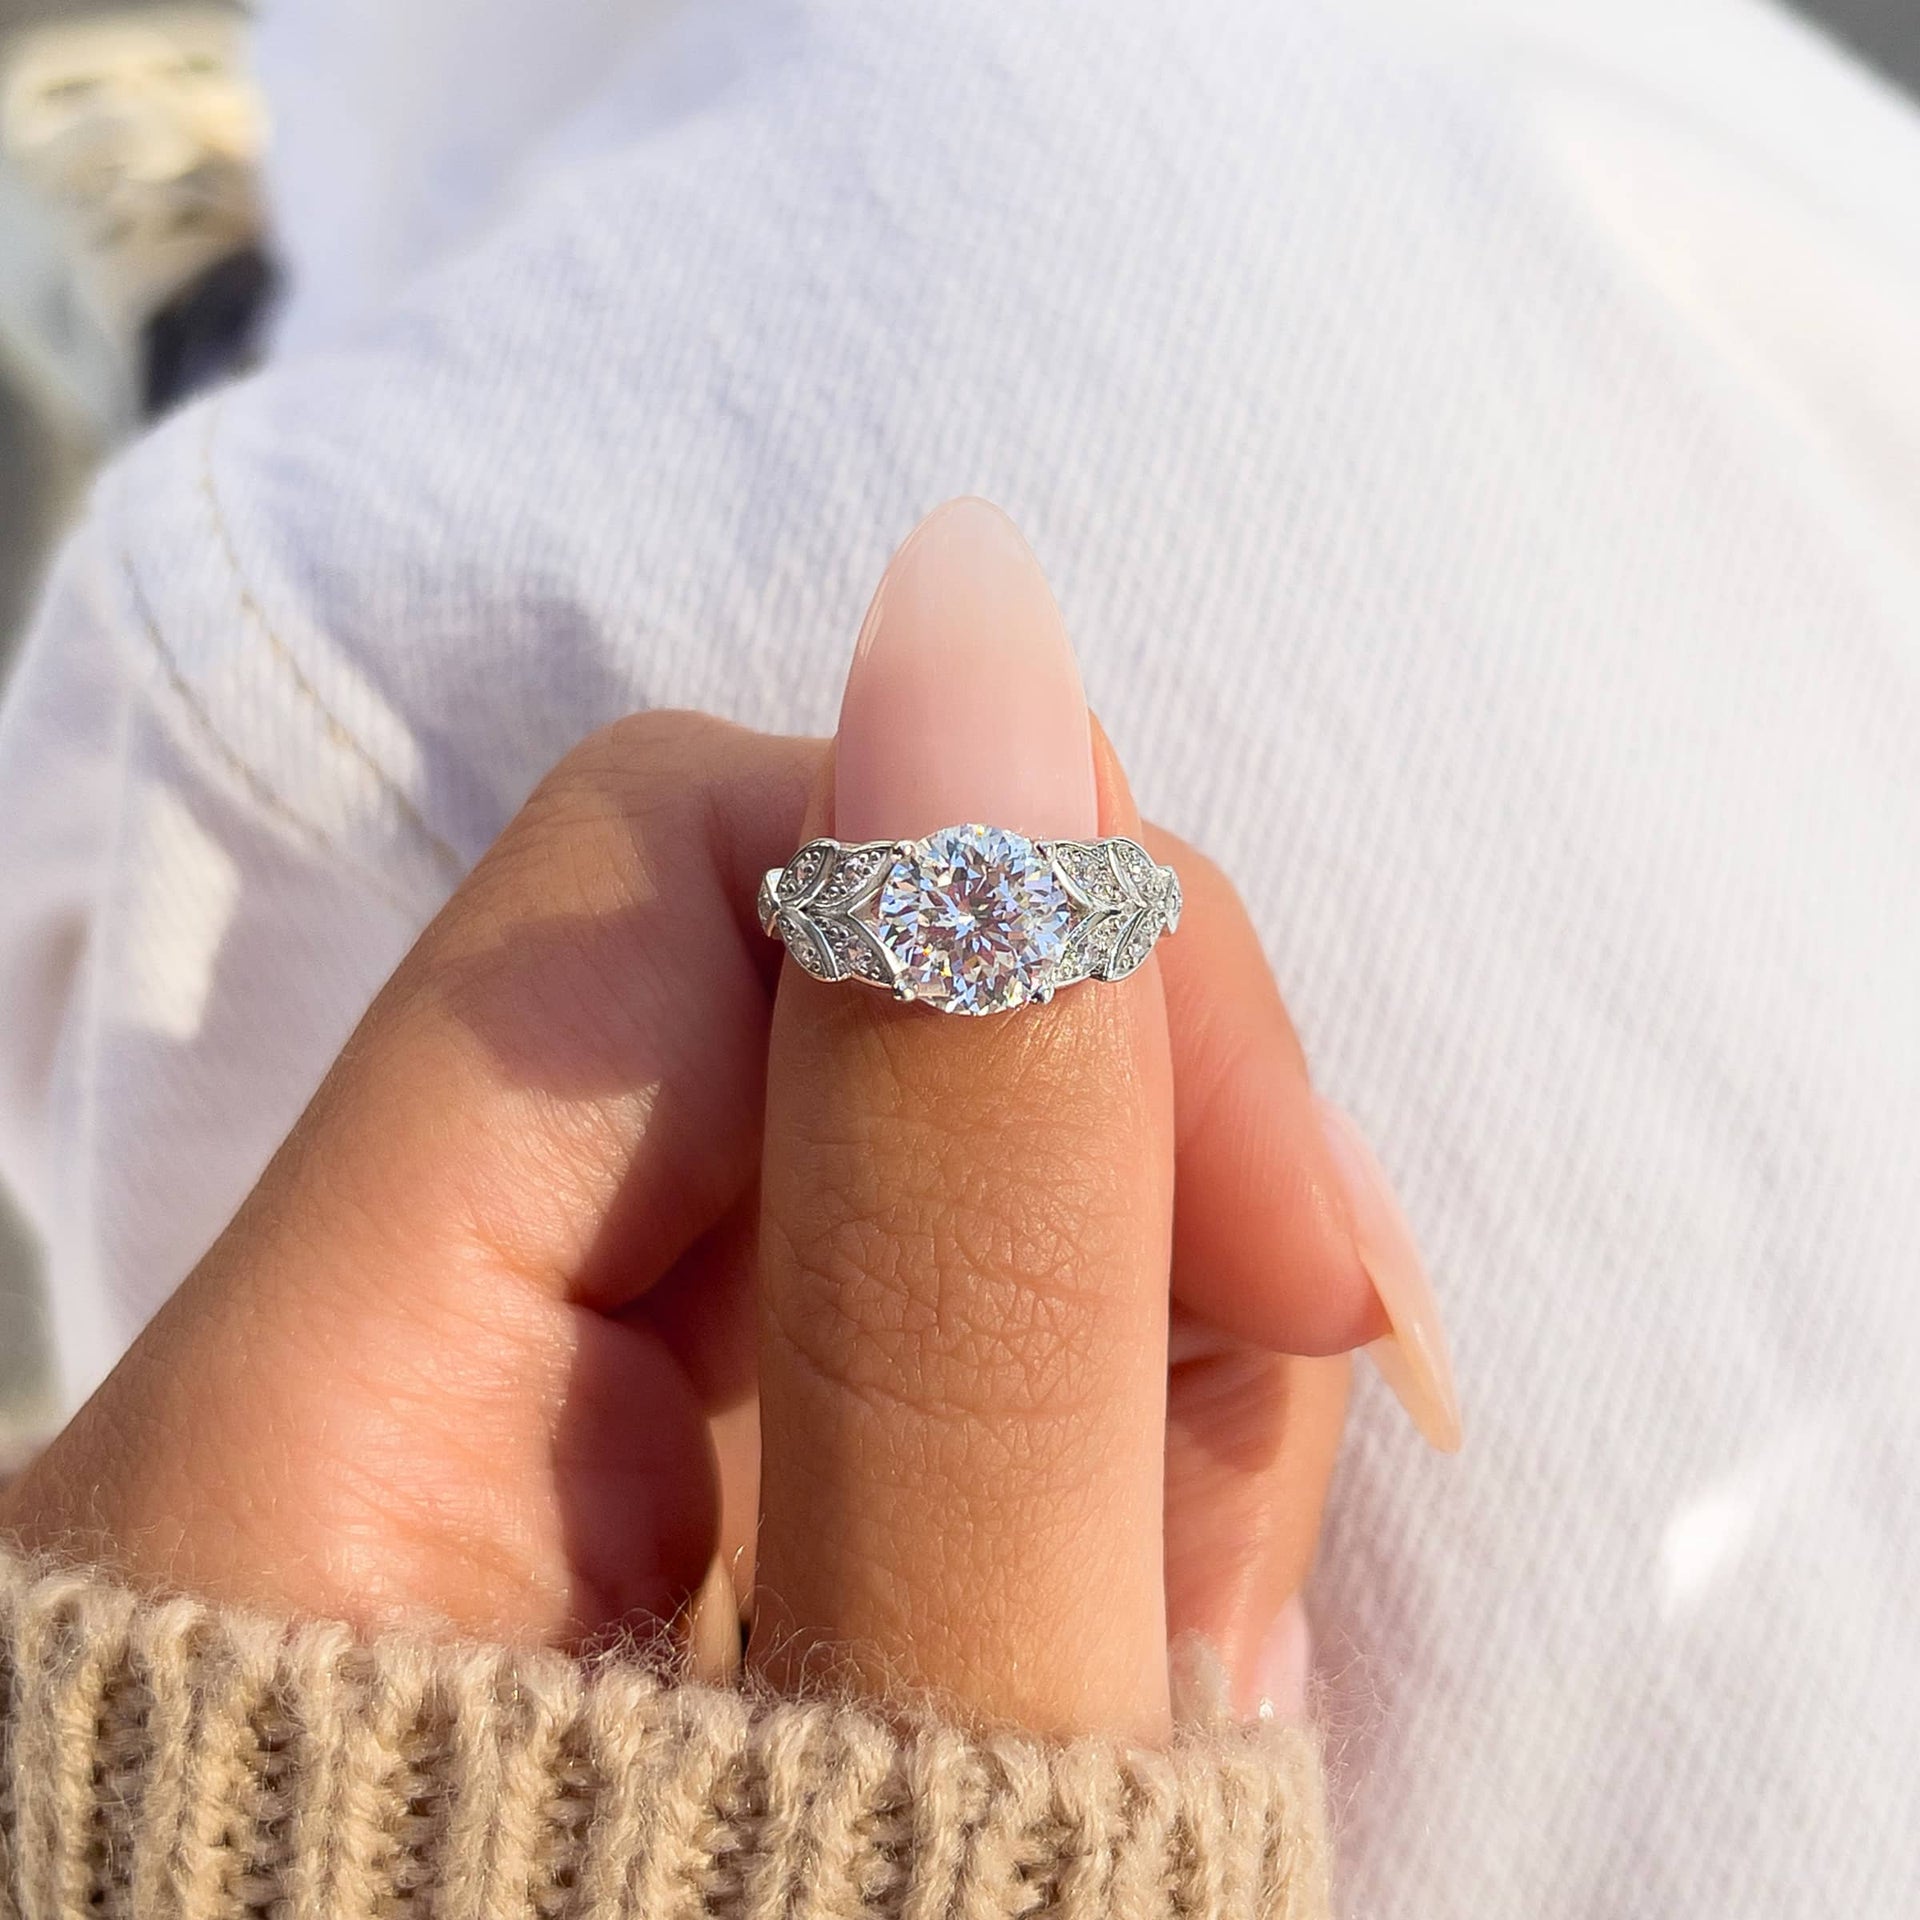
x: 1476, y: 448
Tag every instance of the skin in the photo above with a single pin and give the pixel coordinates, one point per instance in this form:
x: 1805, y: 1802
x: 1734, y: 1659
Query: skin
x: 483, y: 1344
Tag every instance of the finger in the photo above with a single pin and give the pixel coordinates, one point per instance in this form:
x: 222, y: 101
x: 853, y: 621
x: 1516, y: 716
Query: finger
x: 965, y: 1223
x: 1263, y: 1237
x: 1287, y: 1235
x: 1251, y: 1442
x: 703, y: 1309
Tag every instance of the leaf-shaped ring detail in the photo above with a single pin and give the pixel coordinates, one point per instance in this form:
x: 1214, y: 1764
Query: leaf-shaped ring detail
x: 971, y: 919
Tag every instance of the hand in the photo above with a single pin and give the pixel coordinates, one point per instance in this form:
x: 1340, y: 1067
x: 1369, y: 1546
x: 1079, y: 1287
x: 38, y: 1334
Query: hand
x: 482, y: 1343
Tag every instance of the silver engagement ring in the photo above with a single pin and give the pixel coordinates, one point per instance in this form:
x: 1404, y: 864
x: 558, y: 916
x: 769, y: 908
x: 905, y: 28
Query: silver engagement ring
x: 971, y: 919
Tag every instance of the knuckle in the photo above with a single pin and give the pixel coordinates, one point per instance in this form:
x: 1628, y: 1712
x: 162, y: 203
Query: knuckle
x: 624, y: 784
x: 973, y: 1272
x: 648, y: 749
x: 616, y: 821
x: 597, y: 942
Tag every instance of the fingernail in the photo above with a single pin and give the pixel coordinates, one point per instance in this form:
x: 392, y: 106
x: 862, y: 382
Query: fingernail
x: 964, y: 700
x: 1277, y: 1686
x: 712, y: 1628
x: 1412, y: 1357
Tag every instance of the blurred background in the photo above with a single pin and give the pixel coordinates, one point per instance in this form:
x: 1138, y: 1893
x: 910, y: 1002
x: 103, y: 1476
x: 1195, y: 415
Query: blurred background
x: 133, y: 270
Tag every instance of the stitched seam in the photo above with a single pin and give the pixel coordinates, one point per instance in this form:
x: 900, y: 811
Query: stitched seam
x: 256, y: 785
x: 334, y: 727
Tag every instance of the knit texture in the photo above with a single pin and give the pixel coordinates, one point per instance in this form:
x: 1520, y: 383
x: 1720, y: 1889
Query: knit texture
x: 165, y: 1758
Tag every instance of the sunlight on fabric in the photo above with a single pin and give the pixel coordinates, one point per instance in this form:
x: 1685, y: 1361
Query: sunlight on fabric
x: 184, y: 888
x: 1710, y: 1534
x: 1702, y: 1538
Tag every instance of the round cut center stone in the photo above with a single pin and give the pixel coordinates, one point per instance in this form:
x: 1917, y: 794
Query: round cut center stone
x: 974, y: 916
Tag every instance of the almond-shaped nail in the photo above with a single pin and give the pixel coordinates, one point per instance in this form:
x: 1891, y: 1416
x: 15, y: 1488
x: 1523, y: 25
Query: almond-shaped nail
x: 711, y: 1627
x: 1277, y: 1687
x: 1412, y: 1357
x: 964, y: 700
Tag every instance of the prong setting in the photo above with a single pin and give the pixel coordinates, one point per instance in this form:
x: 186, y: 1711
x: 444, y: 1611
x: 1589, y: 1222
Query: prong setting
x: 972, y: 919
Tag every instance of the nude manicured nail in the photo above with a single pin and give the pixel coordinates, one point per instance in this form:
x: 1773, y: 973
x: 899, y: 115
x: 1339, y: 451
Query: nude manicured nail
x: 964, y: 701
x: 1277, y: 1688
x: 1412, y: 1358
x: 712, y: 1627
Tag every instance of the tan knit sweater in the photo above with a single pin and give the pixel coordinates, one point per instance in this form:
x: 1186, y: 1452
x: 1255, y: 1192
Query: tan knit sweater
x: 171, y: 1761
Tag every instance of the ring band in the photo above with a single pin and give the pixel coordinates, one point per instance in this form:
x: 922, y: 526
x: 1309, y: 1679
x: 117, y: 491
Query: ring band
x: 971, y: 919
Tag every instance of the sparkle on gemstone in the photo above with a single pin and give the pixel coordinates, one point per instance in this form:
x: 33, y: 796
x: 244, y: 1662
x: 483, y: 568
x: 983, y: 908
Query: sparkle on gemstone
x: 975, y: 917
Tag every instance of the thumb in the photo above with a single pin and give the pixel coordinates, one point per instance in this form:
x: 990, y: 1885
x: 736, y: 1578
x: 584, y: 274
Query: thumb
x: 966, y: 1222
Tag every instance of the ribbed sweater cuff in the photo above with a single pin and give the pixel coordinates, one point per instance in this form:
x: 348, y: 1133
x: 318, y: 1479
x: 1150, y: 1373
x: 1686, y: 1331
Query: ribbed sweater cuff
x: 164, y: 1758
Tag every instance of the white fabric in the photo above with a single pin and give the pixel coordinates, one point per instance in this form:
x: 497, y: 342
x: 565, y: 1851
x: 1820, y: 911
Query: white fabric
x: 1478, y: 450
